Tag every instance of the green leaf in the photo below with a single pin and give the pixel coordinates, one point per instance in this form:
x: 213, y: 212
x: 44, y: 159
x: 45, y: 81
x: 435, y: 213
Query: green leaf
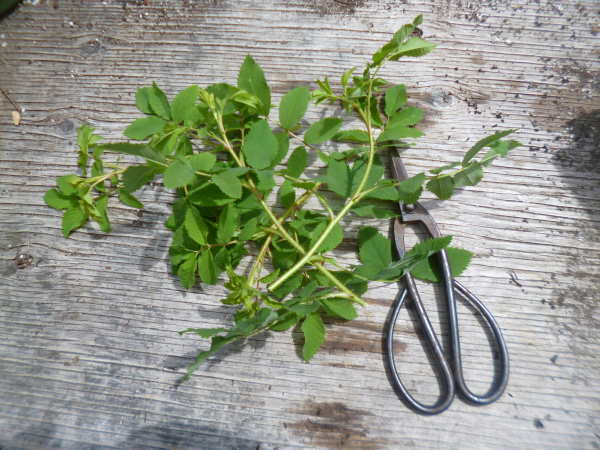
x: 142, y: 100
x: 260, y: 146
x: 346, y: 76
x: 179, y: 173
x: 286, y: 322
x: 427, y: 269
x: 385, y: 193
x: 102, y: 218
x: 410, y: 189
x: 85, y: 140
x: 202, y: 161
x: 142, y: 128
x: 430, y: 246
x: 143, y: 150
x: 288, y: 285
x: 485, y: 142
x: 203, y: 332
x: 265, y: 180
x: 183, y: 106
x: 303, y: 309
x: 314, y: 335
x: 67, y: 184
x: 252, y: 79
x: 73, y: 218
x: 398, y: 132
x: 206, y: 267
x: 442, y: 186
x: 340, y: 307
x: 499, y: 148
x: 333, y: 239
x: 283, y: 142
x: 370, y: 210
x: 158, y: 102
x: 268, y: 279
x: 439, y: 170
x: 358, y: 171
x: 322, y: 131
x: 228, y: 221
x: 293, y: 106
x: 209, y: 196
x: 229, y: 183
x: 128, y: 199
x: 286, y: 194
x: 338, y: 178
x: 357, y: 136
x: 408, y: 116
x: 375, y: 251
x: 469, y: 176
x: 395, y: 98
x: 187, y: 271
x: 297, y: 162
x: 195, y: 225
x: 413, y: 47
x: 249, y: 228
x: 135, y: 177
x: 419, y: 252
x: 247, y: 99
x: 57, y: 200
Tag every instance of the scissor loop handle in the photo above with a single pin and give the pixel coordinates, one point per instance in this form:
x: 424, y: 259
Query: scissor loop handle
x: 452, y: 377
x: 500, y: 378
x: 444, y: 372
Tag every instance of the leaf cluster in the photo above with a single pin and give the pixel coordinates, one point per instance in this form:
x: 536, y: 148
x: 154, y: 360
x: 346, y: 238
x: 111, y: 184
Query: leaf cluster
x: 241, y: 191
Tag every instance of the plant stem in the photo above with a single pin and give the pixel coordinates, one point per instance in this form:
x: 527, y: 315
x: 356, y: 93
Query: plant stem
x: 279, y: 225
x: 258, y: 263
x: 347, y: 206
x: 101, y: 178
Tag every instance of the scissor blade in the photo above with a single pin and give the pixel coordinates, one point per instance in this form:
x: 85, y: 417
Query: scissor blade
x: 398, y: 168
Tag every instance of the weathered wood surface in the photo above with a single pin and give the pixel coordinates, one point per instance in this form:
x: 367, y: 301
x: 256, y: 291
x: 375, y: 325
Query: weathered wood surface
x: 89, y: 356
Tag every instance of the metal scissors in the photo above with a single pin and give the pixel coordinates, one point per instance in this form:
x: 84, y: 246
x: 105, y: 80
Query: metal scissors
x: 449, y: 372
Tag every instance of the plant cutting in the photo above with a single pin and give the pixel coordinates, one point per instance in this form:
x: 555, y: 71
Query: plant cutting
x: 243, y: 187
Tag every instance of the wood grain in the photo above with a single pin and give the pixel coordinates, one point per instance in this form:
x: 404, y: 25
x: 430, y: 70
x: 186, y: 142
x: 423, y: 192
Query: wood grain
x: 90, y: 355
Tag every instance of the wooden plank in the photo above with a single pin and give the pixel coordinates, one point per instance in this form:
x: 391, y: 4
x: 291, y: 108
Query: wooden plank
x: 90, y: 354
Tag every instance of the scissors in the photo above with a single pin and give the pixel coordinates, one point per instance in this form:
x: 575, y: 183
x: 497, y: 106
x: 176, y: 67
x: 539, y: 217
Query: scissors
x: 450, y: 373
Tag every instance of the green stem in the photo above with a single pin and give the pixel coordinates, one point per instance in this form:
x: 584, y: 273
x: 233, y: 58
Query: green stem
x: 340, y: 285
x: 347, y: 206
x: 282, y: 231
x: 99, y: 179
x: 258, y: 263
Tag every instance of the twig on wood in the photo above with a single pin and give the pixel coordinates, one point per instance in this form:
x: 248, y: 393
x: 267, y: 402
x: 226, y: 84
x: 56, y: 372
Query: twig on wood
x: 10, y: 100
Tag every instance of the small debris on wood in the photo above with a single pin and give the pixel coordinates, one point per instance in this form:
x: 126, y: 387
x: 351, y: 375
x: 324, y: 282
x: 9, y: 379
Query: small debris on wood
x: 16, y: 117
x: 72, y: 362
x: 23, y: 260
x: 514, y: 278
x: 16, y: 113
x: 553, y: 359
x: 538, y: 424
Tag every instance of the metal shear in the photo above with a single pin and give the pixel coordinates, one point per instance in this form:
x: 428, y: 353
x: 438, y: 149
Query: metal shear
x: 450, y: 372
